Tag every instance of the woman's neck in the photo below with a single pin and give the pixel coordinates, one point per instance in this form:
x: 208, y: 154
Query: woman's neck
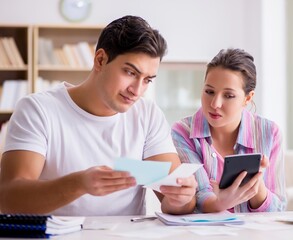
x: 223, y: 140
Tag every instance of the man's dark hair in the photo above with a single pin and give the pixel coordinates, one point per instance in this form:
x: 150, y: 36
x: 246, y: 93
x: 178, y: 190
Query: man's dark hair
x: 131, y: 34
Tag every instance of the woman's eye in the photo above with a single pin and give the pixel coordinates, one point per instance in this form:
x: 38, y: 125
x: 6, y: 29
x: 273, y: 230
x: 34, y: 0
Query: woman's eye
x: 229, y: 96
x: 209, y: 92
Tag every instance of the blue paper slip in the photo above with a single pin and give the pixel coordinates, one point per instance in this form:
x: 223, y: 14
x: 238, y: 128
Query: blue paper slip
x: 209, y: 219
x: 145, y: 172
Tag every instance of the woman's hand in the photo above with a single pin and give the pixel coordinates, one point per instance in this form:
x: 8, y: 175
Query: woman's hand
x: 261, y: 194
x: 235, y: 194
x: 179, y: 199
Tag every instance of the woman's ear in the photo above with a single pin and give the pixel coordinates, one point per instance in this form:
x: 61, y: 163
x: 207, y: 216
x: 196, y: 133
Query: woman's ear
x: 249, y: 97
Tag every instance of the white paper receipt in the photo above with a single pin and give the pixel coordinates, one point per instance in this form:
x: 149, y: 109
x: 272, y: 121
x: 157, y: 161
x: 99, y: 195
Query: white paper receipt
x: 183, y: 171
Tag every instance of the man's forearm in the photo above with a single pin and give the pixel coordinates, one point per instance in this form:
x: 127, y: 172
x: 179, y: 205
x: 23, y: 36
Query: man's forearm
x: 39, y: 197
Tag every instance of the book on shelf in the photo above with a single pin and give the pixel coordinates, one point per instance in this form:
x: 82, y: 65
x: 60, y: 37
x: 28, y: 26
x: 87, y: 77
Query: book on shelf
x: 4, y: 59
x: 37, y: 226
x: 45, y: 84
x: 86, y: 54
x: 14, y: 48
x: 76, y: 55
x: 12, y: 91
x: 12, y: 52
x: 8, y: 51
x: 70, y: 55
x: 44, y: 47
x: 60, y: 56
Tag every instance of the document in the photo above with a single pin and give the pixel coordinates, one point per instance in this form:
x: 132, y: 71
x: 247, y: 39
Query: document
x: 153, y: 174
x: 145, y: 172
x: 200, y: 219
x: 183, y: 171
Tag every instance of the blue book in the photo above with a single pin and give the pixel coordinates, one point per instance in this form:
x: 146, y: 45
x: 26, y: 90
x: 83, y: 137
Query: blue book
x: 37, y: 226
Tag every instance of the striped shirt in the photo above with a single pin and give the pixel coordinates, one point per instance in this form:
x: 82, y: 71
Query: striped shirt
x: 192, y: 139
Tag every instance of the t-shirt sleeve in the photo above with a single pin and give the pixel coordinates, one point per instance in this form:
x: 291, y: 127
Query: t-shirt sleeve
x: 158, y: 136
x: 26, y: 129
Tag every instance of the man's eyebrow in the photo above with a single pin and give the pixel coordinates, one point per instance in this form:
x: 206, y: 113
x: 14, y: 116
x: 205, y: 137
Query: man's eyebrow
x: 137, y: 70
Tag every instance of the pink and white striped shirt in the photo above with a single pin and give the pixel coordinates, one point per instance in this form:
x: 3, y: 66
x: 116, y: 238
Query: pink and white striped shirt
x: 192, y: 139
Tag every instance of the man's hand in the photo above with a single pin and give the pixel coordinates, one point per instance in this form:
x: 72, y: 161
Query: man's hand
x: 100, y: 181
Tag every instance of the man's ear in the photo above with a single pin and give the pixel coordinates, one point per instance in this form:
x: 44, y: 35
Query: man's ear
x: 249, y: 97
x: 100, y: 59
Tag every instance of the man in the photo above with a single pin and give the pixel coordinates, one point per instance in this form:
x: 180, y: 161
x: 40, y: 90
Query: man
x: 60, y: 143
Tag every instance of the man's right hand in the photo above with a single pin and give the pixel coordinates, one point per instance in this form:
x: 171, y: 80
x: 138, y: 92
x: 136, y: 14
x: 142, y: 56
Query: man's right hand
x: 102, y: 180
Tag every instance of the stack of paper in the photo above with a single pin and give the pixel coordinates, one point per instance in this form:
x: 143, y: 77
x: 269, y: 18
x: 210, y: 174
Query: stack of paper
x: 199, y: 219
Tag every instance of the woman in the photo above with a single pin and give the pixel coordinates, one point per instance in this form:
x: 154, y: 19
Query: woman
x: 223, y: 126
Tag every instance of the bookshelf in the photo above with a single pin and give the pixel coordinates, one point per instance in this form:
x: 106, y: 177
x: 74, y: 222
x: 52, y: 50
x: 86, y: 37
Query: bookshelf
x: 15, y: 62
x: 23, y: 72
x: 41, y: 47
x: 63, y: 53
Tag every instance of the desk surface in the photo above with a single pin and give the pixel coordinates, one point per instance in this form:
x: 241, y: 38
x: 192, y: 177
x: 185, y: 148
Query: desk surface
x: 260, y: 226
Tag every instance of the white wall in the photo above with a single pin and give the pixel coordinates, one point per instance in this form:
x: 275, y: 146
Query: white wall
x: 195, y: 30
x: 273, y: 62
x: 290, y: 72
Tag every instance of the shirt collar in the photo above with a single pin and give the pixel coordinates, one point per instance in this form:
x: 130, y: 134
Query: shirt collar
x: 247, y: 132
x: 199, y: 126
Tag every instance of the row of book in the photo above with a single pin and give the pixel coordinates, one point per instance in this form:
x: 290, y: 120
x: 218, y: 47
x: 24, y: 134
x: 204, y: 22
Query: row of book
x: 44, y: 84
x: 80, y: 55
x: 37, y: 226
x: 11, y: 91
x: 9, y: 53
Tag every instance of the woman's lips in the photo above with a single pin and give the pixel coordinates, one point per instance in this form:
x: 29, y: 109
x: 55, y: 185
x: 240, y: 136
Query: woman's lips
x: 215, y: 115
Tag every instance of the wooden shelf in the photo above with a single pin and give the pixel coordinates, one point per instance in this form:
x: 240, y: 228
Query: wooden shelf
x: 62, y: 68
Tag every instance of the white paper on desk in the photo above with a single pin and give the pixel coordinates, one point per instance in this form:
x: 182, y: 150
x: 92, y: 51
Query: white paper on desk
x: 213, y: 230
x: 200, y: 219
x: 98, y: 225
x: 155, y: 232
x: 183, y: 171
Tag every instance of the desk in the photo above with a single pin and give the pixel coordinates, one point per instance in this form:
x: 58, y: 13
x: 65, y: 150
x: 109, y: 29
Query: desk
x: 124, y: 225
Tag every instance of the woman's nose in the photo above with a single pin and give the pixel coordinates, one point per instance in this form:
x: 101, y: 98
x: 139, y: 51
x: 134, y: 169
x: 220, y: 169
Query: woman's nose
x: 216, y: 102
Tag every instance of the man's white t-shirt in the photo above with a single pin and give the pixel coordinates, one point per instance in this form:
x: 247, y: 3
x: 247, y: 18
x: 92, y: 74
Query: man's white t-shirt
x: 71, y: 139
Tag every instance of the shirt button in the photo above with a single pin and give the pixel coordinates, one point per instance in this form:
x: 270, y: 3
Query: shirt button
x: 214, y: 155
